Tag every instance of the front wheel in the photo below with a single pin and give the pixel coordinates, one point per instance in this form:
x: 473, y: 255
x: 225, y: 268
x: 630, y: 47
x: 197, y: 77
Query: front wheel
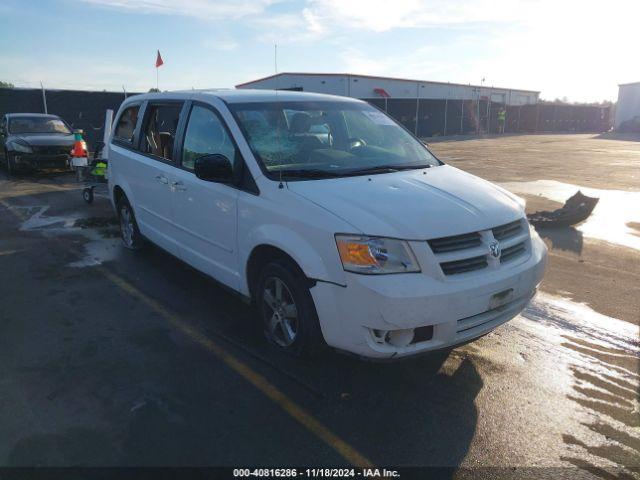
x: 131, y: 237
x: 11, y: 166
x: 287, y: 310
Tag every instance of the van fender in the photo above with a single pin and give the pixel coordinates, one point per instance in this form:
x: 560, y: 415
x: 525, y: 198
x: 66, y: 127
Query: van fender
x: 123, y: 184
x: 316, y: 263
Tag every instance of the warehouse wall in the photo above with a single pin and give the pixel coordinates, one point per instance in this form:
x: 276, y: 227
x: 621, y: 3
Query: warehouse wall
x: 81, y: 109
x: 359, y: 86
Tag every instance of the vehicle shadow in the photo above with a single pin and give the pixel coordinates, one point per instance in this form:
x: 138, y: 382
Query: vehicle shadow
x: 565, y: 238
x: 415, y: 412
x: 151, y: 396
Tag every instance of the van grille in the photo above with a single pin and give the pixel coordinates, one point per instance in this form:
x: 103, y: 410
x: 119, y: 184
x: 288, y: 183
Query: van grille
x: 457, y: 242
x: 510, y: 253
x: 464, y: 253
x: 507, y: 231
x: 465, y: 265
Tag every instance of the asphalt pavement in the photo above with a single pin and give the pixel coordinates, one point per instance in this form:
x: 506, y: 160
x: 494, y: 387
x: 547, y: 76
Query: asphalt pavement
x: 117, y: 358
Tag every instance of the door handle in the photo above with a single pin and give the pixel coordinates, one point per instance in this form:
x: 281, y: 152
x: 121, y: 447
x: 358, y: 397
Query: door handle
x: 178, y: 186
x: 162, y: 179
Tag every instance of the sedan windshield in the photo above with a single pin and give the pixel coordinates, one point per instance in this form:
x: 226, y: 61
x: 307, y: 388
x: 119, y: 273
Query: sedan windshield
x: 328, y: 139
x: 37, y: 125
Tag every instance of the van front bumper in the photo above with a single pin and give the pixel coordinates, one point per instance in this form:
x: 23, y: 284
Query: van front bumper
x: 355, y: 318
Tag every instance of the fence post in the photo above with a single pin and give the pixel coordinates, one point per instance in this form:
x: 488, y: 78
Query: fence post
x: 44, y: 98
x: 446, y: 103
x: 462, y: 118
x: 417, y: 106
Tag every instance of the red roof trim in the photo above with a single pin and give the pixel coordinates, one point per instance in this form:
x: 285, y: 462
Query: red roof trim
x: 381, y: 78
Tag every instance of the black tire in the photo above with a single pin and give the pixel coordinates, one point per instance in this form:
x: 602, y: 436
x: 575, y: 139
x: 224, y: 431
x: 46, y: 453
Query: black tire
x: 129, y: 231
x: 87, y: 195
x: 9, y: 163
x: 308, y: 340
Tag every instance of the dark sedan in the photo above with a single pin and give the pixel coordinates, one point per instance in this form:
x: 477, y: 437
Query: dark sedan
x: 34, y: 141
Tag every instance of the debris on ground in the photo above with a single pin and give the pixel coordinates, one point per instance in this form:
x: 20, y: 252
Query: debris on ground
x: 575, y: 210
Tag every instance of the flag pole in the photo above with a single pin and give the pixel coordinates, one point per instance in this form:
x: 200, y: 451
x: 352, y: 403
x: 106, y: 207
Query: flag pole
x: 157, y: 88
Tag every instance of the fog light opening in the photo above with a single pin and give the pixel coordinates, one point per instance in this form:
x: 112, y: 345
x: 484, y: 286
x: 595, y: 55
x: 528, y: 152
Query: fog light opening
x: 399, y: 338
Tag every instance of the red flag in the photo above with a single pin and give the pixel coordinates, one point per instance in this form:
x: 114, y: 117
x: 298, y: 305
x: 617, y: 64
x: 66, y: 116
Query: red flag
x: 159, y: 60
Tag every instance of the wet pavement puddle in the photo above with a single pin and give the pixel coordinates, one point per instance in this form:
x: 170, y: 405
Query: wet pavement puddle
x: 599, y: 357
x: 616, y: 218
x: 103, y: 240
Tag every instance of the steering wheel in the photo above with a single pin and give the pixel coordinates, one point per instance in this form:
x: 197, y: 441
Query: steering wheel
x: 356, y: 142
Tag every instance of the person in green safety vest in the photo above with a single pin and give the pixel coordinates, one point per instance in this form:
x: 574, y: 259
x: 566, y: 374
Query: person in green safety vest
x: 502, y: 116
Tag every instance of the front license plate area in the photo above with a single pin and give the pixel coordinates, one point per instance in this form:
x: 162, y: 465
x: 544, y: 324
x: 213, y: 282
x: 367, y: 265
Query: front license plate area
x: 501, y: 298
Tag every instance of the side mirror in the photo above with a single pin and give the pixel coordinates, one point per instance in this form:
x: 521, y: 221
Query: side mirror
x: 214, y: 168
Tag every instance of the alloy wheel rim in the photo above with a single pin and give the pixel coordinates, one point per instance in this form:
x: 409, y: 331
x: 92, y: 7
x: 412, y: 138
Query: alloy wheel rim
x: 126, y: 226
x: 280, y: 312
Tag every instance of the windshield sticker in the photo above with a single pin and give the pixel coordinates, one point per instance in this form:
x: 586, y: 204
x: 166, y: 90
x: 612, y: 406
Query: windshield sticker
x: 378, y: 117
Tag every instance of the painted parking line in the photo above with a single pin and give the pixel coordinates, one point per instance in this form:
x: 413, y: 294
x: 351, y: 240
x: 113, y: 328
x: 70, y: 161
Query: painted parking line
x: 346, y: 451
x: 298, y: 413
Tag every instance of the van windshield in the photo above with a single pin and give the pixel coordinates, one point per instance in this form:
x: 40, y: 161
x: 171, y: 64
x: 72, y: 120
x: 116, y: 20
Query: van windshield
x: 328, y: 139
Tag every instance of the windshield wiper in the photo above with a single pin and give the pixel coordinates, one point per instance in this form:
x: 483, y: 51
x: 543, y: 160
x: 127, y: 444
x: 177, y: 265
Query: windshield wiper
x: 307, y: 173
x: 385, y: 169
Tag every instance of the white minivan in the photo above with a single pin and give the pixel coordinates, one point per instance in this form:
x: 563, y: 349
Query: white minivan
x: 339, y: 225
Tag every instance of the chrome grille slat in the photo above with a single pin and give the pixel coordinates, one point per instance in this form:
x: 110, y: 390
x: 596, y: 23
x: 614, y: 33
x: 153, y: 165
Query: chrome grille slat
x: 508, y: 230
x: 456, y: 242
x: 465, y: 265
x: 512, y: 252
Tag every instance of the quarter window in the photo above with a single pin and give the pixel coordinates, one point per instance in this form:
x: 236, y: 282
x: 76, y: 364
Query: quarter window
x: 127, y: 124
x: 205, y: 135
x: 159, y: 131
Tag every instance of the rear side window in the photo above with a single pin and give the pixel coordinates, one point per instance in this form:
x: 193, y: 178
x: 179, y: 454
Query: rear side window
x: 205, y: 135
x: 159, y: 130
x: 127, y: 124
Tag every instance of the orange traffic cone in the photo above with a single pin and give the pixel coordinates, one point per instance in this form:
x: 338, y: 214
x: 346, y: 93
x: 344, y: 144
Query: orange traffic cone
x: 79, y: 152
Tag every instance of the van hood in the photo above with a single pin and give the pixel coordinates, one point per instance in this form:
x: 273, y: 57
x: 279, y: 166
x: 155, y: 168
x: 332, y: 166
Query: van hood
x: 414, y: 204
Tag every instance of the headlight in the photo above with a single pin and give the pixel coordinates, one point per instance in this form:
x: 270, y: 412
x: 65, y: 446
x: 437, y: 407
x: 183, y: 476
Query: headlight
x: 19, y: 147
x: 375, y: 255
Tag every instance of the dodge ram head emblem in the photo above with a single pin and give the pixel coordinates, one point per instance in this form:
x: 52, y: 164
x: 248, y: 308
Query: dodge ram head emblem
x: 494, y: 249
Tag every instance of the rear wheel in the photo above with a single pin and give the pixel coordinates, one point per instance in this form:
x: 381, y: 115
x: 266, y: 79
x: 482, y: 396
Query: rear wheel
x: 131, y: 237
x: 287, y: 310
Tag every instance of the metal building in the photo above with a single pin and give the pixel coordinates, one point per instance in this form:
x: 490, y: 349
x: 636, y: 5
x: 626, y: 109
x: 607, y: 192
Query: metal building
x: 371, y: 87
x: 628, y: 107
x: 431, y: 109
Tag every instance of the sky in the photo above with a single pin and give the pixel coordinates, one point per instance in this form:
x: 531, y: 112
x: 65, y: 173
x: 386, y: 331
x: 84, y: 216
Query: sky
x: 578, y: 49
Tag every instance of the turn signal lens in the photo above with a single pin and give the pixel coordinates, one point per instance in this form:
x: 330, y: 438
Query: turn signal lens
x: 355, y: 254
x: 375, y: 255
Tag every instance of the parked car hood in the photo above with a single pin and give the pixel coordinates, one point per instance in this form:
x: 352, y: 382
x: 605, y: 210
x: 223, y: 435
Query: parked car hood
x: 44, y: 139
x: 415, y: 204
